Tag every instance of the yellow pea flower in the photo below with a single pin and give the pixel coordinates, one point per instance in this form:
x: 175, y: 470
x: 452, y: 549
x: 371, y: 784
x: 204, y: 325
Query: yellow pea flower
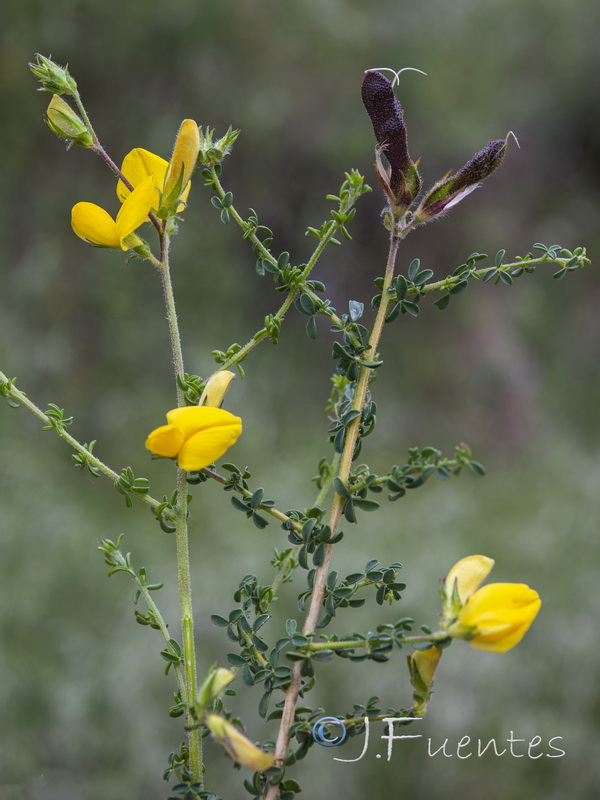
x: 237, y: 745
x: 170, y: 177
x: 494, y: 617
x: 95, y: 225
x: 497, y: 616
x: 196, y: 435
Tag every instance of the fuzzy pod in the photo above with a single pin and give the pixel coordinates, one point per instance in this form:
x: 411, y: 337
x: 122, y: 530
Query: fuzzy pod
x: 385, y: 113
x: 450, y: 191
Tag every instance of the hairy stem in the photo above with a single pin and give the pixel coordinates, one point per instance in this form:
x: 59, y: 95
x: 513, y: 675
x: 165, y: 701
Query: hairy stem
x: 181, y: 534
x: 93, y: 460
x: 312, y: 615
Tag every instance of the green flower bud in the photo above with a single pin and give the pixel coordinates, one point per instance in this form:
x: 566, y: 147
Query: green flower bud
x: 213, y: 152
x: 64, y: 122
x: 54, y: 78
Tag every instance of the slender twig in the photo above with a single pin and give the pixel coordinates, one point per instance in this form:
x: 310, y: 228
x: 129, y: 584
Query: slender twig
x: 322, y: 571
x: 181, y: 534
x: 99, y: 149
x: 93, y: 460
x: 274, y: 512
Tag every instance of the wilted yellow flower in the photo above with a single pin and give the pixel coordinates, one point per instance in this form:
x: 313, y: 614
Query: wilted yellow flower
x: 497, y: 616
x: 422, y: 665
x: 197, y: 435
x: 425, y: 662
x: 237, y: 745
x: 95, y: 225
x: 216, y: 680
x: 215, y: 388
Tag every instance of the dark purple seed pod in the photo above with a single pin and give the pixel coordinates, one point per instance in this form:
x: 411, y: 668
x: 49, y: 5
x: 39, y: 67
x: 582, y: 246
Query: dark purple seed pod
x: 450, y: 191
x: 385, y: 113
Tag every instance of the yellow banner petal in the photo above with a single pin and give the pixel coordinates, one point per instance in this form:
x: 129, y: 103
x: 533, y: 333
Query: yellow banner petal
x: 137, y: 165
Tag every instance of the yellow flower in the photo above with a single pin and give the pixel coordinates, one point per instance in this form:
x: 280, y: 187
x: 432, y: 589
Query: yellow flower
x: 197, y: 435
x: 494, y: 617
x: 171, y: 178
x: 497, y: 616
x: 237, y: 745
x: 95, y: 225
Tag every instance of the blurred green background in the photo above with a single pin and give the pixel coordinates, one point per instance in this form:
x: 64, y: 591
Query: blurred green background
x: 512, y: 371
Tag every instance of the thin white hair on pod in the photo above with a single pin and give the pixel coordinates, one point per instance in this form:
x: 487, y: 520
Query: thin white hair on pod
x: 513, y: 134
x: 396, y: 72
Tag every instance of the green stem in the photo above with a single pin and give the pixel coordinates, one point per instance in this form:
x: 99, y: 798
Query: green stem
x: 22, y: 398
x: 452, y: 280
x: 267, y: 255
x: 347, y: 644
x: 274, y: 512
x: 181, y: 535
x: 333, y: 469
x: 151, y: 605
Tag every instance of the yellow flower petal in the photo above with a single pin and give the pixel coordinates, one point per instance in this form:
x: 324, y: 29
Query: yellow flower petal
x: 182, y: 164
x: 426, y: 662
x: 94, y: 225
x: 237, y: 745
x: 135, y: 209
x: 468, y: 574
x: 497, y: 616
x: 215, y: 389
x: 165, y: 441
x: 208, y: 445
x: 137, y: 165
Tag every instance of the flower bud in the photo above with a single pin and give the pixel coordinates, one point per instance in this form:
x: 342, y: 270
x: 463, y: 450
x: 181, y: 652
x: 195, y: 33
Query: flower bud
x: 212, y: 152
x: 54, y: 78
x: 182, y: 165
x: 450, y: 191
x: 403, y: 182
x: 213, y: 684
x: 237, y: 745
x: 64, y: 122
x: 215, y: 389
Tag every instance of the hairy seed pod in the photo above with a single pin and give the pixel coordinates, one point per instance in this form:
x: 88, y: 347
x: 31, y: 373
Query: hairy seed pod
x: 450, y: 191
x: 385, y: 113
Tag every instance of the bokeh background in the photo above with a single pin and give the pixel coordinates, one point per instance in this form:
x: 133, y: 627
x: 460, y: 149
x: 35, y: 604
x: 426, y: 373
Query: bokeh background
x: 511, y: 371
